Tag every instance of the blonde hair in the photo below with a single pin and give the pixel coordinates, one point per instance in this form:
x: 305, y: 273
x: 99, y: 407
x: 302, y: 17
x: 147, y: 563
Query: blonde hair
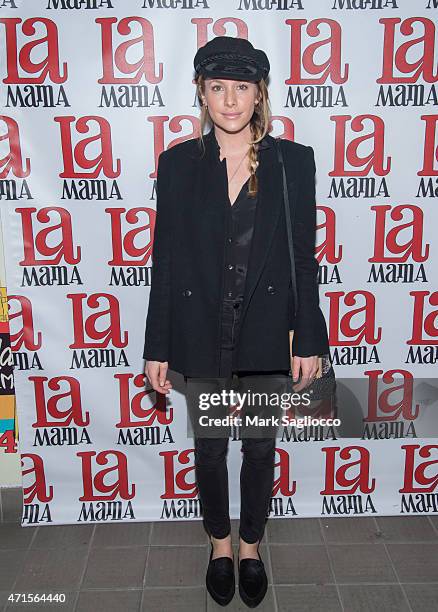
x: 259, y: 125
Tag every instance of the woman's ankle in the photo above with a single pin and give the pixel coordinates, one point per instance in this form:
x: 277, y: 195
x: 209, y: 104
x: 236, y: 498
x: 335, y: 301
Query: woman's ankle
x: 222, y: 547
x: 248, y: 550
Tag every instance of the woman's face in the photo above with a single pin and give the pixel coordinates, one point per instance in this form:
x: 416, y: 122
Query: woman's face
x: 230, y: 103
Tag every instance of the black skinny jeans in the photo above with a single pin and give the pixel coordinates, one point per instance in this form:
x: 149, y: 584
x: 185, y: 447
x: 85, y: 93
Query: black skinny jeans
x: 257, y: 470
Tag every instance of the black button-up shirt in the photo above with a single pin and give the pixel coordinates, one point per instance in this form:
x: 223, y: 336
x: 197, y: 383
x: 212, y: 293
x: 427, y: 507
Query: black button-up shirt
x: 240, y: 224
x: 240, y: 219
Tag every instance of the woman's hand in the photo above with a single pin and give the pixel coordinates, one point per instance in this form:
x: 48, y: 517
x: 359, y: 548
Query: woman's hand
x: 155, y: 372
x: 309, y: 368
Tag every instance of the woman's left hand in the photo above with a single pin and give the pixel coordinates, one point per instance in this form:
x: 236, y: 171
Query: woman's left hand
x: 309, y: 368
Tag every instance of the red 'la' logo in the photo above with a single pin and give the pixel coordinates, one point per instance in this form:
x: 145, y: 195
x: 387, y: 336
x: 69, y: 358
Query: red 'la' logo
x: 176, y: 483
x: 406, y: 219
x: 63, y: 407
x: 284, y: 484
x: 103, y: 307
x: 42, y: 41
x: 95, y: 480
x: 12, y: 161
x: 342, y: 331
x: 49, y: 234
x: 76, y: 163
x: 420, y: 476
x: 125, y: 252
x: 389, y: 405
x: 416, y: 37
x: 304, y: 60
x: 348, y: 161
x: 424, y: 329
x: 114, y: 56
x: 23, y: 319
x: 337, y: 479
x: 325, y: 249
x: 38, y: 488
x: 429, y: 146
x: 132, y: 413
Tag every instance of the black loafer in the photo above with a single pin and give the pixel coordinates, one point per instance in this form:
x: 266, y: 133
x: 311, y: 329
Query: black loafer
x: 220, y: 580
x: 253, y: 582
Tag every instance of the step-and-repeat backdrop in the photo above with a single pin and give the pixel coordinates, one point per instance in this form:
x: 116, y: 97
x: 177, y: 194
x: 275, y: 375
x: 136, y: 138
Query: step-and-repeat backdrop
x: 92, y: 92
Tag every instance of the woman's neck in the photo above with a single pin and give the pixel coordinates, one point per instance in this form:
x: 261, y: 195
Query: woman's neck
x: 233, y: 145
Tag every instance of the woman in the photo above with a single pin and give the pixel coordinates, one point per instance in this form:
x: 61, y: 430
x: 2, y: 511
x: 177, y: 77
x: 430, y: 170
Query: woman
x: 221, y: 301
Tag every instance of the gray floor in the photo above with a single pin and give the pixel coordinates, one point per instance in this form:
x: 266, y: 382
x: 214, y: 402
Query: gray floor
x: 362, y: 564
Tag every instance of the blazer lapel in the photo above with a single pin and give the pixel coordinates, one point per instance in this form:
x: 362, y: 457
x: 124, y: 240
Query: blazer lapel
x: 270, y: 198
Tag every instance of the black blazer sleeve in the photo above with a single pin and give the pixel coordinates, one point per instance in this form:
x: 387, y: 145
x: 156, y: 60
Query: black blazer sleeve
x: 310, y: 335
x: 157, y: 330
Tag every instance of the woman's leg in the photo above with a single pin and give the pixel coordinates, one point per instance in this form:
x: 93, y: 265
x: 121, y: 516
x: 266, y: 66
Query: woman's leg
x: 210, y: 454
x: 211, y: 446
x: 212, y: 481
x: 256, y: 482
x: 258, y: 462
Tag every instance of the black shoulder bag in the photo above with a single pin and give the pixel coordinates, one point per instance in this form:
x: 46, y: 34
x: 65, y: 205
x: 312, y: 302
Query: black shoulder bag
x: 323, y: 385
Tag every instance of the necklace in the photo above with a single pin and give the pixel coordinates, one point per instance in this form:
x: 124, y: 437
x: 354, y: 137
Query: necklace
x: 235, y: 172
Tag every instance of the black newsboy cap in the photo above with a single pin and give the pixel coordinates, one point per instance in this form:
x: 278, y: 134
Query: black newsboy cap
x: 231, y: 58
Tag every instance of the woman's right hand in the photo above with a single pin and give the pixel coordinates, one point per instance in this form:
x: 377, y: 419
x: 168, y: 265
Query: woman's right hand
x: 155, y: 372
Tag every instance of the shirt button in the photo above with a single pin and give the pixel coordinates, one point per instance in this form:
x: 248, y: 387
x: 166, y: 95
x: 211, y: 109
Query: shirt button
x: 230, y: 240
x: 230, y: 267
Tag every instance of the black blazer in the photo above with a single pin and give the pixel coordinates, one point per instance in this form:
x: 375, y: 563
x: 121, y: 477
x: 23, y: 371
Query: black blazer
x: 184, y: 312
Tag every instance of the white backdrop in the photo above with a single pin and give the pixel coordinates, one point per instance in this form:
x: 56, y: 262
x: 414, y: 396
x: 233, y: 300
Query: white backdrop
x: 91, y: 96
